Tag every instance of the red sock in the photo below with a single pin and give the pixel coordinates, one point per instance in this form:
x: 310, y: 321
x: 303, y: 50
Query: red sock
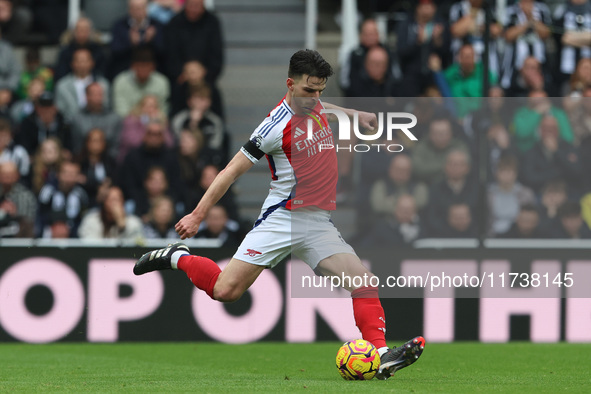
x: 203, y: 272
x: 369, y: 315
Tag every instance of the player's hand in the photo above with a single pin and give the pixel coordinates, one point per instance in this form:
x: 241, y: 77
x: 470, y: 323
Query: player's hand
x: 187, y: 227
x: 368, y: 121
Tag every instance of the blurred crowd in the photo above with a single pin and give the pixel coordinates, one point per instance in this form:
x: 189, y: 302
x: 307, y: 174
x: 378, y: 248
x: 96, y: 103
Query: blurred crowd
x: 515, y: 164
x: 120, y: 139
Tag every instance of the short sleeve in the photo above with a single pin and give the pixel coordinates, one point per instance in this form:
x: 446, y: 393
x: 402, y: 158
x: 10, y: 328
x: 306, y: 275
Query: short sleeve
x: 268, y: 137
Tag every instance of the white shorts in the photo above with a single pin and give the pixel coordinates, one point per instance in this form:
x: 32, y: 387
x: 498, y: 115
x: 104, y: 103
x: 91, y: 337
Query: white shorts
x: 307, y: 233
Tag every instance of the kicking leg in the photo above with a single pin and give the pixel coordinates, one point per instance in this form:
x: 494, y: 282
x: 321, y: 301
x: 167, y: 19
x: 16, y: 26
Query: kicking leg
x: 235, y: 279
x: 204, y: 273
x: 369, y: 315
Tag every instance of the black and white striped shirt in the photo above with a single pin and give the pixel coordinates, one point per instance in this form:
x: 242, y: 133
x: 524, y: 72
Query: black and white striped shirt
x: 457, y: 12
x: 526, y: 45
x: 572, y: 18
x: 70, y: 205
x: 19, y: 156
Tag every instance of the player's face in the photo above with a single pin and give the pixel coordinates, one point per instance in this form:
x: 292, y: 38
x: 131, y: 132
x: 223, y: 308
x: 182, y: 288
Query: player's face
x: 305, y: 92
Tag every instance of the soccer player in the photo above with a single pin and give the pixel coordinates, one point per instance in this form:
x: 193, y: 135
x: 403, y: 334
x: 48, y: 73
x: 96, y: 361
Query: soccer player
x: 296, y: 214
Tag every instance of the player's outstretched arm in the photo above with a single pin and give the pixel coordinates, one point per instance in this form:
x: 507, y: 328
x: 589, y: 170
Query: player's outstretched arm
x: 367, y: 120
x: 187, y: 227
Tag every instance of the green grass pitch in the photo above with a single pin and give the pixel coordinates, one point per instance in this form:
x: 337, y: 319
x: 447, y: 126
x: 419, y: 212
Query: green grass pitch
x: 277, y: 367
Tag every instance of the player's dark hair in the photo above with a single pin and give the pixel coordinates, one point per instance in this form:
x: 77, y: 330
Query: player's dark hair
x: 569, y: 209
x: 309, y: 62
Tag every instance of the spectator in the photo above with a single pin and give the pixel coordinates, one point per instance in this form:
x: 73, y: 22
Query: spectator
x: 459, y: 223
x: 140, y: 80
x: 155, y: 186
x: 526, y: 29
x: 579, y: 80
x: 376, y: 78
x: 572, y: 19
x: 218, y: 226
x: 18, y: 206
x: 111, y: 221
x: 5, y: 102
x: 10, y: 151
x: 530, y: 78
x: 467, y: 21
x: 227, y: 201
x: 34, y: 70
x: 15, y: 20
x: 429, y: 155
x: 551, y: 158
x: 134, y: 126
x: 193, y: 77
x: 25, y: 107
x: 585, y: 152
x: 97, y: 167
x: 193, y: 157
x: 455, y: 188
x: 65, y: 203
x: 586, y: 209
x: 419, y: 37
x: 527, y: 120
x: 506, y: 195
x: 194, y: 34
x: 96, y: 116
x: 465, y: 81
x: 46, y: 162
x: 570, y: 223
x: 151, y: 153
x: 579, y: 115
x: 45, y: 121
x: 58, y: 228
x: 50, y: 17
x: 164, y: 10
x: 132, y: 31
x: 400, y: 228
x: 553, y: 196
x: 386, y: 192
x: 199, y: 116
x: 70, y: 91
x: 81, y: 37
x: 352, y: 67
x: 494, y: 111
x: 10, y: 66
x: 499, y: 143
x: 161, y: 219
x: 527, y: 224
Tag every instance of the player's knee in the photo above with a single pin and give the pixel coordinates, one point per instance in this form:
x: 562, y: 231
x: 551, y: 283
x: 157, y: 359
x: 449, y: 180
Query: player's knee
x: 227, y: 294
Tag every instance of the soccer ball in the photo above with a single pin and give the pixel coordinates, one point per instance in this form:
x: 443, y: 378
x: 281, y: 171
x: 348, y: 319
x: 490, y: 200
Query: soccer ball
x: 358, y: 360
